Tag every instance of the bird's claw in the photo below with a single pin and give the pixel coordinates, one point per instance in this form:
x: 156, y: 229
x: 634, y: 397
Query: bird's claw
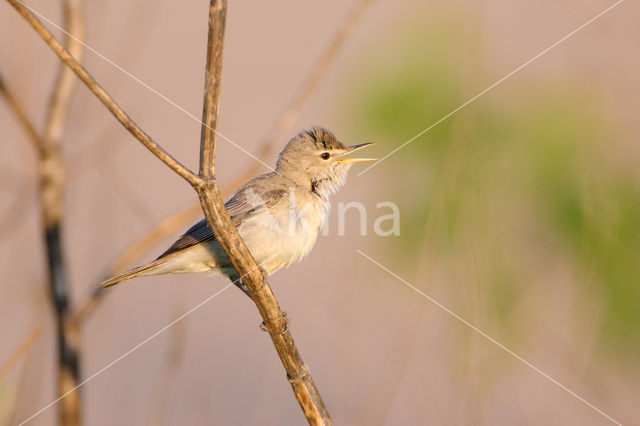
x: 263, y: 327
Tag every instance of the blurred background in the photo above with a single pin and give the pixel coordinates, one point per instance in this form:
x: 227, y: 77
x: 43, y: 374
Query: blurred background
x: 520, y: 213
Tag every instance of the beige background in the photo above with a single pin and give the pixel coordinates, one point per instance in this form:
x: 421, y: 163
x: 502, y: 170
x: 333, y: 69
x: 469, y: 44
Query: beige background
x: 380, y: 353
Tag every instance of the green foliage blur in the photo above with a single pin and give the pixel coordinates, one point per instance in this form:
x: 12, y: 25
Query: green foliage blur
x: 523, y: 180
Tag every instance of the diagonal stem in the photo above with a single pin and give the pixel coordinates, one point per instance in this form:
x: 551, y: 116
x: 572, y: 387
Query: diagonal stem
x: 103, y: 96
x: 25, y: 121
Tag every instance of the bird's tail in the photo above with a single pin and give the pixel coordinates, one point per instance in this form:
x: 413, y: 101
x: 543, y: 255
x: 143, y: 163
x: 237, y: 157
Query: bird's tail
x: 154, y: 268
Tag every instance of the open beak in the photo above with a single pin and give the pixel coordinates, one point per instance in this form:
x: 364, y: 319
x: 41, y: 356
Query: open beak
x: 356, y: 160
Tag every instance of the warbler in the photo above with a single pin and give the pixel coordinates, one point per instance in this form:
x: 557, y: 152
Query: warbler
x: 277, y: 214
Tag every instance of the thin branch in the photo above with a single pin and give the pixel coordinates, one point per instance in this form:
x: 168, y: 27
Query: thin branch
x: 65, y: 82
x: 104, y: 97
x: 51, y: 180
x: 213, y: 75
x: 134, y: 252
x: 17, y: 355
x: 226, y: 234
x: 17, y: 109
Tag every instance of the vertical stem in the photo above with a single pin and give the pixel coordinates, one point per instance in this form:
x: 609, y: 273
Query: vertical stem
x: 212, y: 84
x: 52, y: 184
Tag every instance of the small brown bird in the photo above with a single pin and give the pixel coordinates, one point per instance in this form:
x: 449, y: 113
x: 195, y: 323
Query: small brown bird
x: 278, y: 214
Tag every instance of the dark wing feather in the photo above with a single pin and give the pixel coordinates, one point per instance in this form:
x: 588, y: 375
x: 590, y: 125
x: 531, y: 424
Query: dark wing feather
x: 196, y: 234
x: 238, y: 208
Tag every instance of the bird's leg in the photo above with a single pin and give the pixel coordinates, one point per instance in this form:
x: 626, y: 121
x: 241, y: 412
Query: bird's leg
x: 242, y: 287
x: 286, y: 324
x: 238, y: 282
x: 264, y: 277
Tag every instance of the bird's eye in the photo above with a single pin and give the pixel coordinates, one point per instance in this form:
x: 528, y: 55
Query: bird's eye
x: 325, y: 155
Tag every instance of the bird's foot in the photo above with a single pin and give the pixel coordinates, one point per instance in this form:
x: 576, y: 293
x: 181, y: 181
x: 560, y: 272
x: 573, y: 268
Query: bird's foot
x: 285, y: 319
x: 264, y: 278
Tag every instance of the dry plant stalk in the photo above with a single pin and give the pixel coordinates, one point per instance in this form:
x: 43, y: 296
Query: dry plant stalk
x: 14, y: 105
x: 14, y: 213
x: 211, y: 200
x: 17, y: 355
x: 132, y: 253
x: 51, y: 184
x: 103, y: 96
x: 51, y: 173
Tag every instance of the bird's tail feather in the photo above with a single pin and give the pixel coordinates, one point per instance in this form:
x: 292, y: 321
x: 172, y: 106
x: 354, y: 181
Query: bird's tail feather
x: 153, y: 268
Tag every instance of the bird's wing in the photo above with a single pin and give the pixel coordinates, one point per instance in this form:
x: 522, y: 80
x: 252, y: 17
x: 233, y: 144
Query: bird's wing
x: 246, y: 203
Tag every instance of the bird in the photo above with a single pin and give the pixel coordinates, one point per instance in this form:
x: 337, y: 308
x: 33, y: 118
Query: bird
x: 277, y: 214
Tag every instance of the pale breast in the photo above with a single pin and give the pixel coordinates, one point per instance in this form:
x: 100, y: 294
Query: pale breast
x: 287, y: 234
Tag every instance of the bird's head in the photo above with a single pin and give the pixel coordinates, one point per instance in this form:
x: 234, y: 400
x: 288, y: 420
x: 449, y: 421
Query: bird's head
x: 317, y: 158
